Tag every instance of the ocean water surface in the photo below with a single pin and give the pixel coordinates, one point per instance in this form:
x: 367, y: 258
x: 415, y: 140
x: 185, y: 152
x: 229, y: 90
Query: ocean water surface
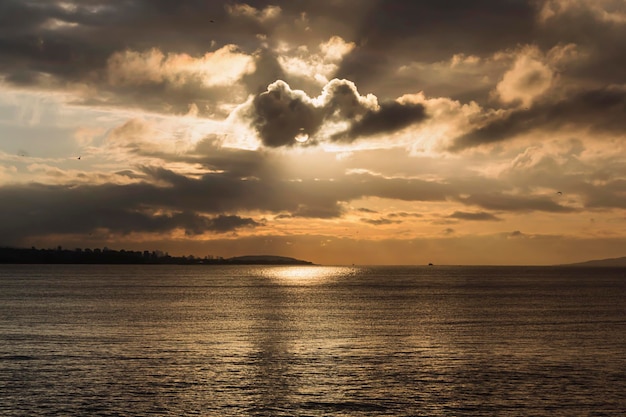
x: 107, y: 340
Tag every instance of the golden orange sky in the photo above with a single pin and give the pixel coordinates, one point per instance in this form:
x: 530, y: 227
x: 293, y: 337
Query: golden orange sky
x: 339, y: 132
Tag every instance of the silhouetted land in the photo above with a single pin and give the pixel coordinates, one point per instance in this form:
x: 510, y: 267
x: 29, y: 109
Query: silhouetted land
x: 612, y: 262
x: 108, y: 256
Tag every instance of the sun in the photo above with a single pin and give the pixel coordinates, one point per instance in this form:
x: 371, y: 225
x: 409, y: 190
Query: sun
x: 301, y: 137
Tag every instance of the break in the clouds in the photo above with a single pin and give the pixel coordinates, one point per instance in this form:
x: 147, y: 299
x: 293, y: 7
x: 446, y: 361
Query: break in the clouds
x: 316, y: 127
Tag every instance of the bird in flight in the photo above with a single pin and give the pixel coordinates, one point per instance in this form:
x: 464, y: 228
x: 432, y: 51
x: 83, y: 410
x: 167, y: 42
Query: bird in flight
x: 559, y: 193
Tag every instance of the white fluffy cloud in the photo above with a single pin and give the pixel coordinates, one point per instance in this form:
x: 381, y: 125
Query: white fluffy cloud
x: 219, y: 68
x: 317, y: 66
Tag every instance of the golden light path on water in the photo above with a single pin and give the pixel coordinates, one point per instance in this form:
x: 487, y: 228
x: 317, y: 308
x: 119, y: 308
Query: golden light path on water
x: 306, y: 275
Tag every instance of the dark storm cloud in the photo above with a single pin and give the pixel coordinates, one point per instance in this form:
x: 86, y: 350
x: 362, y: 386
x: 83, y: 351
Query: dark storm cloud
x: 479, y: 216
x: 388, y: 118
x: 41, y: 210
x: 280, y: 113
x: 195, y: 205
x: 600, y: 110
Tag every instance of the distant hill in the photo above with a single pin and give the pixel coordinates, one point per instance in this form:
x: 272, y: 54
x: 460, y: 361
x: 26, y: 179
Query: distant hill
x: 619, y: 262
x: 266, y: 260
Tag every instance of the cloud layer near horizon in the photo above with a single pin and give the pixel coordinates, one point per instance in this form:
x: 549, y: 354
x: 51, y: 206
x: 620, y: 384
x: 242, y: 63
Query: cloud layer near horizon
x: 199, y: 120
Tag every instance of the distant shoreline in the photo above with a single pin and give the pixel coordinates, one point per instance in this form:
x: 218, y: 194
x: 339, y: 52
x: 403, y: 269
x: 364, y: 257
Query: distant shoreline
x: 105, y: 256
x: 611, y: 262
x: 34, y: 256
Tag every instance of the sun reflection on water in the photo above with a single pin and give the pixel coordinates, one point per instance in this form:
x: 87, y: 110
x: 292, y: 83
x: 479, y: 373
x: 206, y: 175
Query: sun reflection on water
x: 306, y: 275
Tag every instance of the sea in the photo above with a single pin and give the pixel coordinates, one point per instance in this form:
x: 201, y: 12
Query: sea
x: 197, y: 340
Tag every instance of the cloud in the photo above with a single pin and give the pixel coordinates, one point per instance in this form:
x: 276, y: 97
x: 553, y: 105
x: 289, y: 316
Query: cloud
x: 599, y: 110
x: 329, y: 210
x: 317, y: 67
x: 177, y: 82
x: 612, y: 194
x: 236, y: 182
x: 140, y: 54
x: 515, y: 203
x: 160, y: 200
x: 478, y: 216
x: 388, y: 118
x: 598, y: 28
x: 528, y: 79
x: 280, y: 113
x: 149, y: 138
x: 41, y: 210
x: 223, y: 224
x: 431, y: 31
x: 607, y: 11
x: 267, y: 71
x: 247, y: 11
x: 458, y: 77
x: 224, y: 66
x: 403, y: 214
x: 366, y: 210
x: 381, y: 221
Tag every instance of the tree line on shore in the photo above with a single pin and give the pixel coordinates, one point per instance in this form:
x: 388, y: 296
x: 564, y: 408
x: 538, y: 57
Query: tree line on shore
x: 9, y: 255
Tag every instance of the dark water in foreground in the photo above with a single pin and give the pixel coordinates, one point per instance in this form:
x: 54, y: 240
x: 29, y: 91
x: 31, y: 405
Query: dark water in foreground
x: 312, y: 341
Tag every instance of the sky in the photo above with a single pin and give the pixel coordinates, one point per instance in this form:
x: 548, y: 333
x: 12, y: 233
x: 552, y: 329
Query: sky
x: 335, y: 131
